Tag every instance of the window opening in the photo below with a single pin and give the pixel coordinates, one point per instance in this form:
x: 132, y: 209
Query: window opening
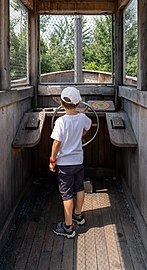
x: 18, y: 43
x: 76, y: 49
x: 131, y: 43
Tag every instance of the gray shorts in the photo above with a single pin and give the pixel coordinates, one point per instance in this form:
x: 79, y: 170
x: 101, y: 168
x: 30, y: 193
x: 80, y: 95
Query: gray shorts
x: 70, y: 180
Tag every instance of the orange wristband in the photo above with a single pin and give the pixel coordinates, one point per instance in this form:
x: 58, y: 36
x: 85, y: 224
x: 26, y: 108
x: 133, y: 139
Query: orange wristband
x: 52, y: 161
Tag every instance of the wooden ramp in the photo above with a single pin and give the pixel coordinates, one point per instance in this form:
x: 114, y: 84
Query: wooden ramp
x: 108, y: 240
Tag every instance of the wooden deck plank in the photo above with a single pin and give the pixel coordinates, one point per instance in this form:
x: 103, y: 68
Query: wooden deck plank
x: 108, y: 240
x: 79, y: 254
x: 113, y: 254
x: 34, y: 256
x: 67, y: 261
x: 121, y: 241
x: 25, y: 258
x: 90, y: 248
x: 20, y: 235
x: 26, y: 247
x: 51, y: 216
x: 101, y: 248
x: 128, y: 223
x: 58, y: 243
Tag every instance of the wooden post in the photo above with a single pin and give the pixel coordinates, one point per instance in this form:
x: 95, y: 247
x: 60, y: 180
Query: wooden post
x: 4, y: 46
x: 78, y: 50
x: 34, y: 52
x: 119, y: 52
x: 142, y: 42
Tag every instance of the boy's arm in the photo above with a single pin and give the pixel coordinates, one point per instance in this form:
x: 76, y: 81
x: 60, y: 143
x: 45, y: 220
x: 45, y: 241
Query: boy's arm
x: 83, y: 135
x: 84, y: 132
x: 55, y: 150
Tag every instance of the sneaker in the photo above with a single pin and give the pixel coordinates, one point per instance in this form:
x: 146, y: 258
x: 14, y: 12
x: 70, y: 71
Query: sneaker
x: 60, y: 229
x: 79, y: 219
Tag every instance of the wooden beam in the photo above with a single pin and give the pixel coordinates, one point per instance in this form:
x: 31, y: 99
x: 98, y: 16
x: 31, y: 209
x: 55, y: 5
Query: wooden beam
x: 4, y: 46
x: 122, y: 3
x: 73, y: 7
x: 28, y: 4
x: 118, y: 55
x: 142, y: 43
x: 34, y: 52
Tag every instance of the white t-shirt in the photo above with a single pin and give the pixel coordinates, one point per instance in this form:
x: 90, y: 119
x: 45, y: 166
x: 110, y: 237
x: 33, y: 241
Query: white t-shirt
x: 68, y: 130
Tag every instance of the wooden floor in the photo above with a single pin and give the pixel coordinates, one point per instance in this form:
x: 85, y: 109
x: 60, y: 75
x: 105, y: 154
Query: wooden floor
x: 108, y: 240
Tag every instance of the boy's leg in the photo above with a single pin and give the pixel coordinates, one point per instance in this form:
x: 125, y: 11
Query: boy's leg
x: 79, y: 202
x: 68, y: 209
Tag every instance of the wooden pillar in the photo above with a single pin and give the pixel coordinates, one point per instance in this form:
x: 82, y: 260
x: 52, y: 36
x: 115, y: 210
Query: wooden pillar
x: 142, y: 45
x: 118, y: 52
x: 4, y: 46
x: 78, y: 50
x: 34, y: 51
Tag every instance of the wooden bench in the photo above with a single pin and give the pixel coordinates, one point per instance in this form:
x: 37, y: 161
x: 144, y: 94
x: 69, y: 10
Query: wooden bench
x: 30, y: 129
x: 120, y: 130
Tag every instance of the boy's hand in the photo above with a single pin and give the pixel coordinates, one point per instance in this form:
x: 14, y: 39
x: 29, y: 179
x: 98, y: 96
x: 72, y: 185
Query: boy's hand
x: 82, y: 110
x: 52, y: 166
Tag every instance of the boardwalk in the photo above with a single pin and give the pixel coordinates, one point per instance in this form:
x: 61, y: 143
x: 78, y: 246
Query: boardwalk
x: 108, y: 240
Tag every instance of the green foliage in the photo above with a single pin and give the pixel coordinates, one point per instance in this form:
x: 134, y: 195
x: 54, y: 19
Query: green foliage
x: 99, y: 50
x: 91, y: 66
x: 59, y: 52
x: 96, y: 45
x: 131, y: 42
x: 18, y: 43
x: 57, y: 43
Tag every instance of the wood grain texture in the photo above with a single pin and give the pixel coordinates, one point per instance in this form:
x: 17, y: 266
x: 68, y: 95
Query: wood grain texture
x: 28, y: 3
x: 29, y: 137
x: 108, y: 240
x: 121, y: 137
x: 71, y: 7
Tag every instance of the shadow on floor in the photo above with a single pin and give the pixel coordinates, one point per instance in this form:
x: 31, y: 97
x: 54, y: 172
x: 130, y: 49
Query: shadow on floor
x: 108, y: 240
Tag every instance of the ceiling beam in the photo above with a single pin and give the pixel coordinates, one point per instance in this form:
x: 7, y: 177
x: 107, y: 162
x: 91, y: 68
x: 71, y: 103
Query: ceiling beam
x: 77, y: 6
x: 28, y: 4
x: 122, y: 3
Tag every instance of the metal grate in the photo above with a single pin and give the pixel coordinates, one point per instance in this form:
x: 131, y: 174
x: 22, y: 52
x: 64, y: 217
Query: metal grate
x: 76, y: 48
x: 18, y: 43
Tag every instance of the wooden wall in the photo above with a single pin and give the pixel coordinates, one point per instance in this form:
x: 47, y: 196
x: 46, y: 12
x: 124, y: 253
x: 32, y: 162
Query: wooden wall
x: 15, y: 165
x: 134, y: 162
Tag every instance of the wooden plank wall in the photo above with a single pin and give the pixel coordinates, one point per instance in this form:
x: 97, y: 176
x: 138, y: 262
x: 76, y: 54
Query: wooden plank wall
x: 15, y: 165
x: 134, y: 162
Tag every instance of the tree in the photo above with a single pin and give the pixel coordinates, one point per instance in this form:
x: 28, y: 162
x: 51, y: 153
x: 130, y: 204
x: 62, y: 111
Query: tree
x: 60, y: 52
x: 97, y: 54
x: 131, y: 43
x: 57, y: 44
x: 18, y: 41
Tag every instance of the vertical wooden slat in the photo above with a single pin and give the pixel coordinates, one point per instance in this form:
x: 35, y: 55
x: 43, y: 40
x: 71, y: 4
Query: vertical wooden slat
x: 78, y: 50
x: 118, y: 56
x: 34, y: 51
x: 4, y: 46
x: 142, y: 41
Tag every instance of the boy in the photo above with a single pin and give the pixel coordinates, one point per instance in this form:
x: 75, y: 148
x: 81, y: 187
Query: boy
x: 67, y: 153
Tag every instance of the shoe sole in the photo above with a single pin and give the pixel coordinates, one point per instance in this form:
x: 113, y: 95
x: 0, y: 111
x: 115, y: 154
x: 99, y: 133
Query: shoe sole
x: 66, y: 235
x: 82, y: 222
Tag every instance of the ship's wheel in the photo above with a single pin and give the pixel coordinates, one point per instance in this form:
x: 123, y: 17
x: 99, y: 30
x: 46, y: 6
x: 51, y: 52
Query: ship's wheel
x: 90, y: 109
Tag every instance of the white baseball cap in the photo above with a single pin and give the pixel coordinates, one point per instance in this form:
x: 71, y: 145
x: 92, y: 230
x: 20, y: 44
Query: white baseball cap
x: 72, y: 93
